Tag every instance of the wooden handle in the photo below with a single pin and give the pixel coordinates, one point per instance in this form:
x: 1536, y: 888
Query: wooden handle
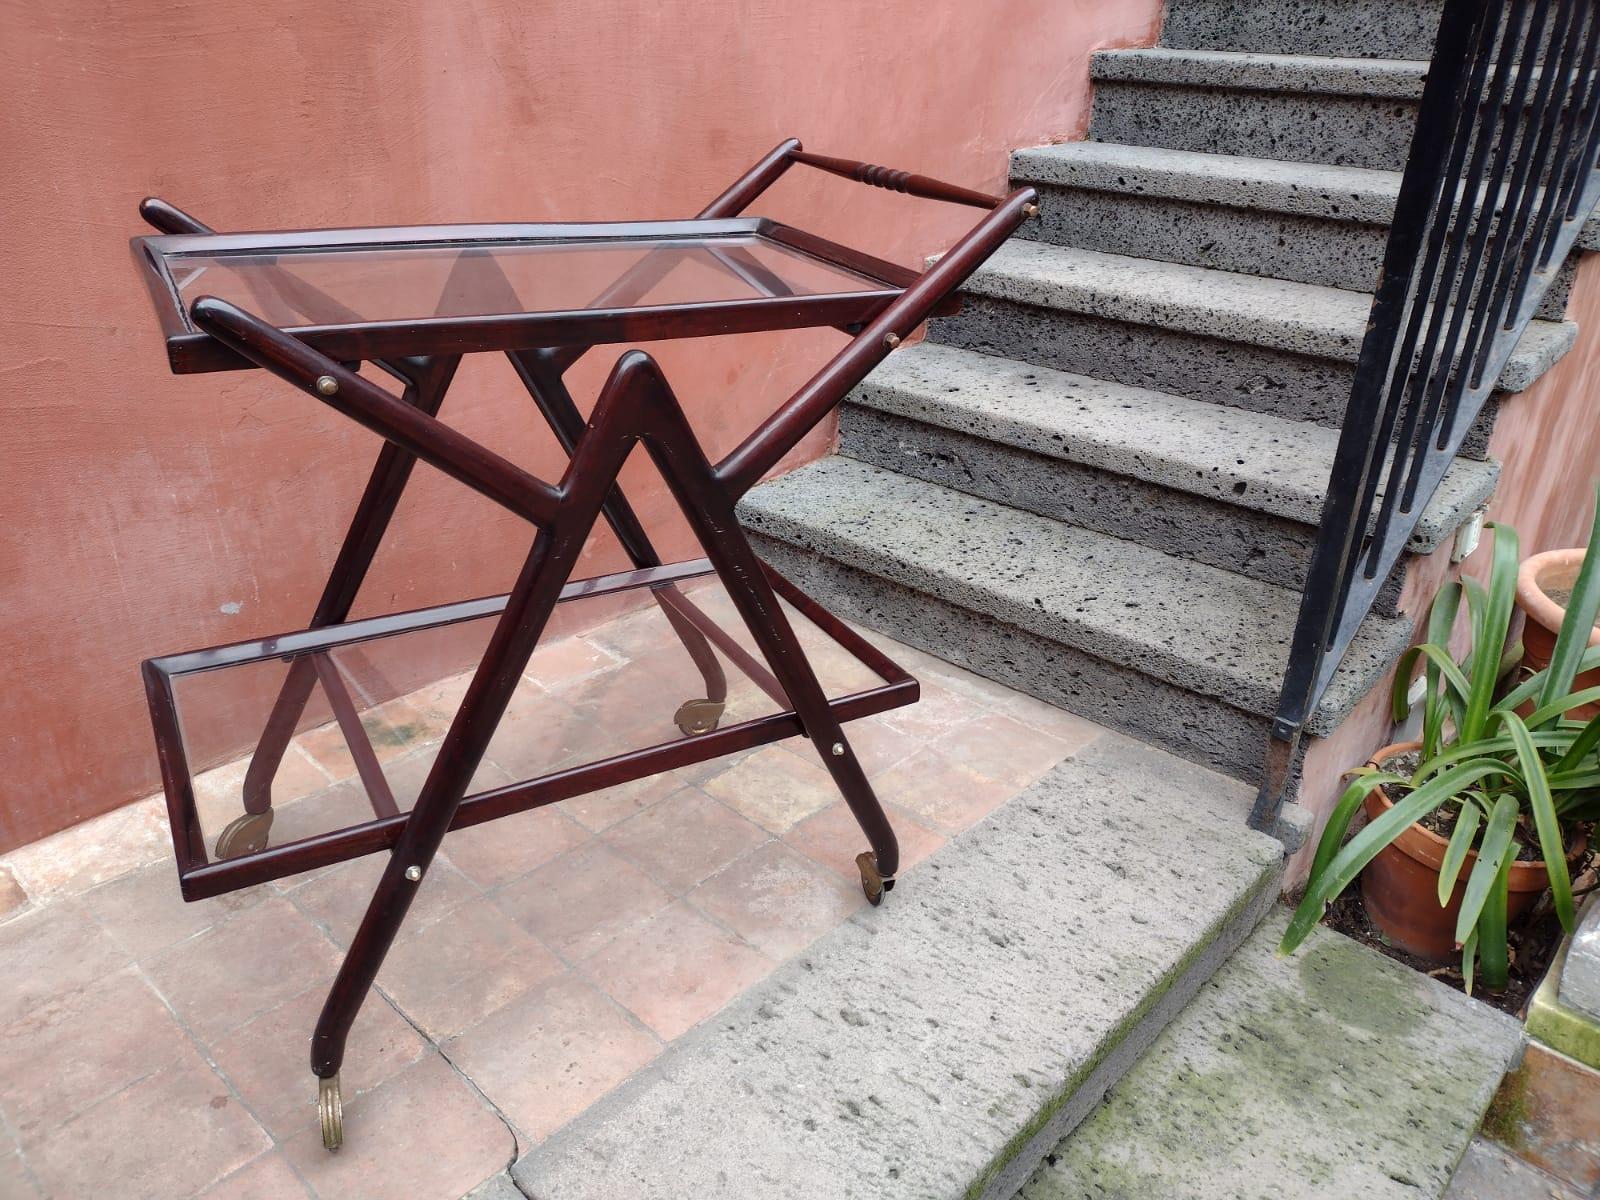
x: 896, y: 181
x: 169, y: 218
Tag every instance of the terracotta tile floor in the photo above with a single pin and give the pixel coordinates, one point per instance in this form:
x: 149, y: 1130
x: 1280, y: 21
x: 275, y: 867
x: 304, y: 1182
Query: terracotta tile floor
x: 154, y: 1048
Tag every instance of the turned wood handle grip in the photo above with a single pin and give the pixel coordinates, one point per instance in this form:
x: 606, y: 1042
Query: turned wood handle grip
x: 169, y: 218
x: 896, y: 181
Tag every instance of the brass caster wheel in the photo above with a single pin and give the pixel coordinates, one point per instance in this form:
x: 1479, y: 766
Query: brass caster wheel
x: 872, y: 883
x: 245, y: 835
x: 698, y: 716
x: 331, y: 1109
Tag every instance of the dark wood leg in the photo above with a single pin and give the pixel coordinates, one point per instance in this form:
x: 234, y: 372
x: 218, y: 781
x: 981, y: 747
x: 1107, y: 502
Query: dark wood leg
x: 510, y: 647
x: 709, y: 508
x: 588, y: 482
x: 427, y: 382
x: 541, y: 374
x: 747, y: 584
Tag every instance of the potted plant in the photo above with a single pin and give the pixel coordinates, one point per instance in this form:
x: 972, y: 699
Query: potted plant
x: 1545, y: 585
x: 1503, y: 764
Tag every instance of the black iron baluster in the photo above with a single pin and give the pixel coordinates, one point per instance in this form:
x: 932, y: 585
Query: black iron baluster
x: 1499, y: 176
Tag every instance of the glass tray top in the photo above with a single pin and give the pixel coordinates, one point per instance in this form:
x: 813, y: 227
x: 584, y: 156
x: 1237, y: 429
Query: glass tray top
x: 593, y: 277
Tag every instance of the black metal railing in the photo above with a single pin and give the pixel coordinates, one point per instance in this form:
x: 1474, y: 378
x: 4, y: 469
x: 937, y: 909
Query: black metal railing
x: 1498, y: 182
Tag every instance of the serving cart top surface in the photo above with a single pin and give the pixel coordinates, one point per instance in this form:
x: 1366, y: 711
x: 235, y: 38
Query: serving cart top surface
x: 362, y: 293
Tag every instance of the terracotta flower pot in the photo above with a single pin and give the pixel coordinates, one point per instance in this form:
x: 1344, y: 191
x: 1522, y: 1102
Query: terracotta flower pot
x: 1400, y: 887
x: 1538, y: 574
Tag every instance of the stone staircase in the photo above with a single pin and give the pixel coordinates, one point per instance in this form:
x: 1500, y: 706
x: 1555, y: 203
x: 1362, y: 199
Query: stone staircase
x: 1101, y: 481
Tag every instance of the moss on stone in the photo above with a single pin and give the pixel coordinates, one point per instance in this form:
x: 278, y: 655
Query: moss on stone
x: 1508, y: 1112
x: 1347, y: 1072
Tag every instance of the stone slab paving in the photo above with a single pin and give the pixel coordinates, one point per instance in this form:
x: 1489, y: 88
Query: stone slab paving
x: 928, y: 1048
x: 1332, y: 1073
x: 1488, y: 1173
x: 152, y: 1048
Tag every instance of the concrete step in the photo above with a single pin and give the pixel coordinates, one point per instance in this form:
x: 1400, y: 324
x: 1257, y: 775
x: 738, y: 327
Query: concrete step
x: 1334, y: 1073
x: 1307, y: 222
x: 1354, y: 28
x: 1345, y: 111
x: 1235, y: 489
x: 1179, y: 653
x: 1267, y: 345
x: 937, y: 1046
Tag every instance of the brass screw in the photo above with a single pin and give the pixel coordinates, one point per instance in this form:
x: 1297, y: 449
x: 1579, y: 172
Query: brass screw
x: 413, y: 873
x: 891, y: 340
x: 327, y: 385
x: 838, y: 749
x: 1030, y: 210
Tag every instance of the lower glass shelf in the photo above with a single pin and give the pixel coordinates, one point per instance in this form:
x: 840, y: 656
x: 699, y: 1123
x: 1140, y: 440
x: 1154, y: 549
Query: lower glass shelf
x: 294, y: 752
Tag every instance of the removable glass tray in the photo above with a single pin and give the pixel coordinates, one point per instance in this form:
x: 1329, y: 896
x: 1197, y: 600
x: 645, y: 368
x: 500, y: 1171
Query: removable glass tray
x: 596, y: 711
x: 371, y: 293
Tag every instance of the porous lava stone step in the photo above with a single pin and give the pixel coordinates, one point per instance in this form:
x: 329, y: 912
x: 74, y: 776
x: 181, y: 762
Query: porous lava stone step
x: 1224, y: 486
x: 1182, y: 654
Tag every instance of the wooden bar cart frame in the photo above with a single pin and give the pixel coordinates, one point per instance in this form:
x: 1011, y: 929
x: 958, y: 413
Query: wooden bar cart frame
x: 635, y: 407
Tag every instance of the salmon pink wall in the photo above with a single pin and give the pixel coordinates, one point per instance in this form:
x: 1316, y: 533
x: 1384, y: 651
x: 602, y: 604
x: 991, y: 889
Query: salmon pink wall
x: 1548, y: 438
x: 145, y: 514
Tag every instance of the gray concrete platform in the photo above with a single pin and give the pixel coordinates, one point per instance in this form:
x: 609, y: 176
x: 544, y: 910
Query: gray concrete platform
x: 1333, y: 1074
x: 1487, y: 1172
x: 935, y: 1047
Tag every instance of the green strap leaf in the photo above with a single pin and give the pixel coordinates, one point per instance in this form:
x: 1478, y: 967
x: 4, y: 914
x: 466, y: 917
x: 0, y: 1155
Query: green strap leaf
x: 1542, y: 716
x: 1493, y: 957
x: 1469, y: 956
x: 1438, y: 657
x: 1545, y: 820
x: 1346, y: 863
x: 1491, y: 620
x: 1534, y: 684
x: 1441, y: 622
x: 1578, y: 626
x: 1456, y: 852
x: 1546, y: 739
x: 1496, y: 840
x: 1582, y: 745
x: 1581, y: 808
x: 1339, y: 819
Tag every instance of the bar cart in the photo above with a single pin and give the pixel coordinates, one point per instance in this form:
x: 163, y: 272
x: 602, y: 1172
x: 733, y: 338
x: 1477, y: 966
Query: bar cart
x: 313, y: 306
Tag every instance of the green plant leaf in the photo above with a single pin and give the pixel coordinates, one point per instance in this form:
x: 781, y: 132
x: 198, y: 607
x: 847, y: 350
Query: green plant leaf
x: 1469, y: 956
x: 1456, y: 852
x: 1571, y: 785
x: 1586, y: 740
x: 1343, y: 866
x: 1441, y: 622
x: 1551, y: 843
x: 1493, y: 958
x: 1491, y: 622
x: 1578, y: 625
x: 1533, y: 685
x: 1496, y: 838
x: 1541, y: 716
x: 1554, y: 739
x: 1339, y: 819
x: 1438, y: 657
